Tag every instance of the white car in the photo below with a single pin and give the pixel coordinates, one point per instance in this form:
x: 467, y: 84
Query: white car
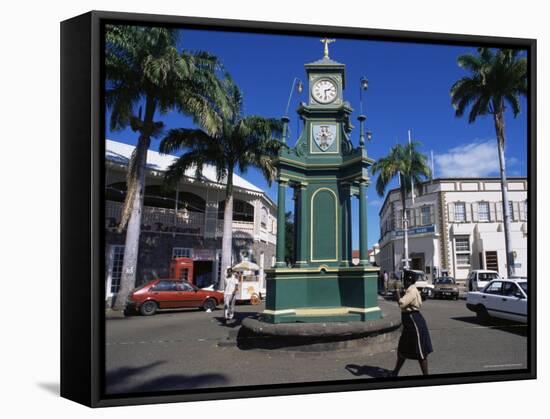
x: 479, y: 278
x: 424, y: 287
x: 502, y: 298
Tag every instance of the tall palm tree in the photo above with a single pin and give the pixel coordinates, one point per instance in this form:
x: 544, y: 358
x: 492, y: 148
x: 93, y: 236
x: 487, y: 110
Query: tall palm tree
x: 146, y: 75
x: 410, y: 167
x: 497, y: 78
x: 239, y: 142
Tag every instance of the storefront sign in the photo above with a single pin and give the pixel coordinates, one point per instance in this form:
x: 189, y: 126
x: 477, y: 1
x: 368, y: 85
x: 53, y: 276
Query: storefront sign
x: 415, y: 230
x: 204, y: 254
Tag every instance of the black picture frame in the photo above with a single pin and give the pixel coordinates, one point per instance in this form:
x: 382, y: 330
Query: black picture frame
x: 82, y: 209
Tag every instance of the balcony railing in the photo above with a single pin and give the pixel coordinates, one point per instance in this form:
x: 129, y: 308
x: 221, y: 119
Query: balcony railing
x: 164, y: 220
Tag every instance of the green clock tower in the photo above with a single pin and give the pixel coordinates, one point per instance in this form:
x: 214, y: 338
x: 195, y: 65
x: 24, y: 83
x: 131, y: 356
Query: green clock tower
x: 325, y: 172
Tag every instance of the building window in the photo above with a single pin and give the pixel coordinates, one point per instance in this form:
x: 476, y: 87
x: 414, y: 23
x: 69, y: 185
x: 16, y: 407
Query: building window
x: 462, y: 244
x: 462, y: 250
x: 511, y: 209
x: 525, y: 209
x: 117, y: 257
x: 462, y: 259
x: 426, y: 215
x: 483, y: 211
x: 460, y: 211
x: 182, y: 252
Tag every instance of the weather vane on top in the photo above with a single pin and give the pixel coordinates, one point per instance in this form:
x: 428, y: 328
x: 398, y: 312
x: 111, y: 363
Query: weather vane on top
x: 327, y: 41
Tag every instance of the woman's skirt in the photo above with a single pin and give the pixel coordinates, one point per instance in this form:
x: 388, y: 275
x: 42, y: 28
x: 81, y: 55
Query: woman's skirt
x: 415, y: 342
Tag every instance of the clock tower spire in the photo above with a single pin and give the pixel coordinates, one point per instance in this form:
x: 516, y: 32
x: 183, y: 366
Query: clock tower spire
x: 327, y: 41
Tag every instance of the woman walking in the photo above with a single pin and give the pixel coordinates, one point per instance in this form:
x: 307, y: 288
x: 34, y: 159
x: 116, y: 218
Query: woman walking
x: 415, y: 342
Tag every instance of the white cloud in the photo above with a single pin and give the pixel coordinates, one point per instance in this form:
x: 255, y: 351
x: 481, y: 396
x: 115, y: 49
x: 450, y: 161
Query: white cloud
x: 375, y: 202
x: 476, y: 159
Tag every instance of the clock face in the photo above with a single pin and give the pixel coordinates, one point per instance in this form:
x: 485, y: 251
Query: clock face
x: 324, y: 91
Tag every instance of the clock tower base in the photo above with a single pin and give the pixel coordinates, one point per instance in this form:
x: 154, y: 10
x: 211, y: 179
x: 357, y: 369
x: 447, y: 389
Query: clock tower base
x: 324, y: 294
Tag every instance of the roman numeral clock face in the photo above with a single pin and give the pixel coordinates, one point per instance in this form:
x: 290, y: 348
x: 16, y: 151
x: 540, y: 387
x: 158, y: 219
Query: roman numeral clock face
x: 324, y: 91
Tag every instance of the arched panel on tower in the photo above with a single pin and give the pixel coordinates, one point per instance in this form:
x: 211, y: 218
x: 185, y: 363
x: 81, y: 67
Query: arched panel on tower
x: 324, y: 226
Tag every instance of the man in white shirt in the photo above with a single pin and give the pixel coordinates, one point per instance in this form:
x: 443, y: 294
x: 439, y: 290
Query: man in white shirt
x: 230, y: 294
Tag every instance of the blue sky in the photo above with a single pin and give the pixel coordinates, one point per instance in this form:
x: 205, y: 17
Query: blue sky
x: 409, y: 87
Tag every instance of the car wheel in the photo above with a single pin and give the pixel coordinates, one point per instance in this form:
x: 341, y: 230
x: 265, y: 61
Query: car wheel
x: 209, y: 304
x: 148, y: 308
x: 482, y: 314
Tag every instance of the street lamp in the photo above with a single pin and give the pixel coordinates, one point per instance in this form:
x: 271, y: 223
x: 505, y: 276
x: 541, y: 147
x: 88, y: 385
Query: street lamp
x: 363, y: 85
x: 296, y: 83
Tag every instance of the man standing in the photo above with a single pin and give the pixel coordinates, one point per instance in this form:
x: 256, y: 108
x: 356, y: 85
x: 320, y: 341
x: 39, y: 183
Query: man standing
x: 385, y: 282
x: 230, y: 294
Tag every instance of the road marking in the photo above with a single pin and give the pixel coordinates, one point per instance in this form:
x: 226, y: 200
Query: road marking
x: 503, y: 366
x: 157, y: 341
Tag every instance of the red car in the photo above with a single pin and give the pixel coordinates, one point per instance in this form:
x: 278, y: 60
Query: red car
x: 169, y: 293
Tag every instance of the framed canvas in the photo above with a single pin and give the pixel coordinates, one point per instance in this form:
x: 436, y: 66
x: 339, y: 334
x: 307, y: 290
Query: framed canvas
x: 253, y: 209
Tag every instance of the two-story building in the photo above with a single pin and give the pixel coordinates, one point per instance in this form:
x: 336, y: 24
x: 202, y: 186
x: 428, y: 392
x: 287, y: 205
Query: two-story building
x: 455, y: 225
x: 184, y: 221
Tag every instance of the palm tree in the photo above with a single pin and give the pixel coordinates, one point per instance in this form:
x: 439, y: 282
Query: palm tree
x: 407, y: 164
x: 239, y: 142
x: 144, y: 70
x: 497, y: 78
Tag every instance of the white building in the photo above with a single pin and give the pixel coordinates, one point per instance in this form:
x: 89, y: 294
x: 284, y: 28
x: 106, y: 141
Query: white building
x: 186, y: 221
x: 456, y: 225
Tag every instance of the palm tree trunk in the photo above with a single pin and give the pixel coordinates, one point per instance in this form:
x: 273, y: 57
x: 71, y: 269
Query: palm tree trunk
x: 227, y: 238
x: 499, y: 127
x: 133, y: 230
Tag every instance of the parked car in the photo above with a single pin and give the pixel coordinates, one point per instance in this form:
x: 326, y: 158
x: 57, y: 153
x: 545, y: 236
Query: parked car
x: 479, y: 278
x: 169, y: 293
x: 445, y: 286
x: 502, y: 298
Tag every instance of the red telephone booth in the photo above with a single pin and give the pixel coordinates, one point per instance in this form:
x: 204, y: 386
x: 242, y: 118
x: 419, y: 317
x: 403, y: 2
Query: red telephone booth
x: 182, y: 268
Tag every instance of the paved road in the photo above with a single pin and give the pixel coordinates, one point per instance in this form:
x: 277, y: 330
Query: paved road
x: 192, y: 349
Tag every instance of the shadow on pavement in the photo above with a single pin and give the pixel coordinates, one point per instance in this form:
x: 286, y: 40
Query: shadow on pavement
x: 520, y: 329
x: 120, y: 380
x: 374, y: 372
x: 237, y: 319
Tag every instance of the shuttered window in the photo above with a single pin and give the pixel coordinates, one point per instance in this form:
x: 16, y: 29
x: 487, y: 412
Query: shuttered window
x: 462, y: 250
x: 460, y: 211
x: 426, y: 215
x: 483, y: 211
x: 462, y: 244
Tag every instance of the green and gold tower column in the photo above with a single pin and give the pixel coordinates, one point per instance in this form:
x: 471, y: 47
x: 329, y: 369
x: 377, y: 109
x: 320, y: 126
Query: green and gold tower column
x: 326, y: 173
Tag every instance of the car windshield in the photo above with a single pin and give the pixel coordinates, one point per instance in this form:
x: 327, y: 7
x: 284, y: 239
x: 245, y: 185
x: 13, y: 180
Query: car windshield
x: 523, y: 286
x: 487, y: 276
x: 141, y: 286
x: 445, y: 280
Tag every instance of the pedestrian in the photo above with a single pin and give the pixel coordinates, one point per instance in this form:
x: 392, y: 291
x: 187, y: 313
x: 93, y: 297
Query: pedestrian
x: 415, y: 342
x: 386, y: 278
x: 230, y: 294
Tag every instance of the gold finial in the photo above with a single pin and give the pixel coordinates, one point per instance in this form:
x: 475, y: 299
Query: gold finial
x: 327, y: 41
